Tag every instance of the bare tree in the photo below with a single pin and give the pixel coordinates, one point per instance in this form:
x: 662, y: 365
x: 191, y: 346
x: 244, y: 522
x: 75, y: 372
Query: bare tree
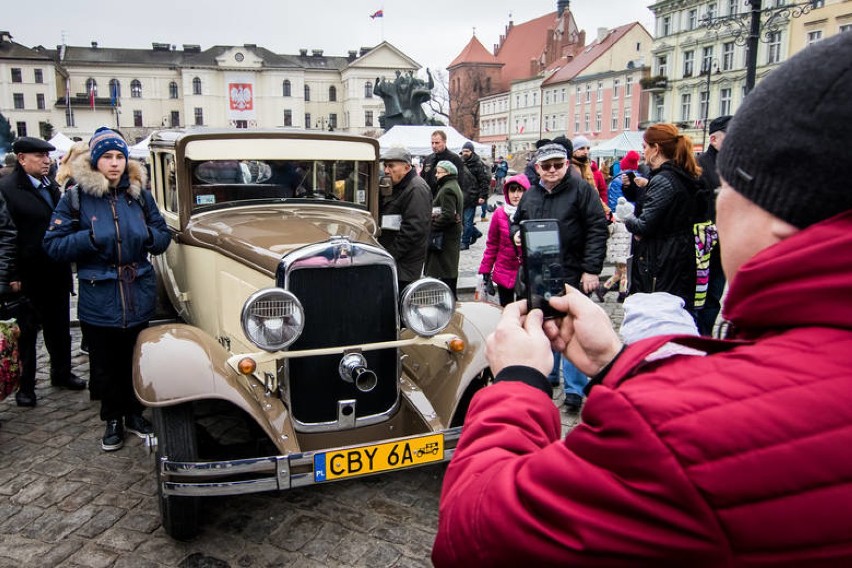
x: 468, y: 86
x: 439, y: 105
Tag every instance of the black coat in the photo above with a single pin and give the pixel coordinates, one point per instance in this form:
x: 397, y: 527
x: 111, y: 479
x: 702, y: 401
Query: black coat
x: 431, y: 162
x: 412, y: 201
x: 31, y: 214
x: 709, y: 181
x: 582, y: 225
x: 663, y: 244
x: 482, y: 186
x: 8, y: 254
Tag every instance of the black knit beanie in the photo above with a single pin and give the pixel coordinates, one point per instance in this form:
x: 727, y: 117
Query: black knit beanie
x: 789, y: 143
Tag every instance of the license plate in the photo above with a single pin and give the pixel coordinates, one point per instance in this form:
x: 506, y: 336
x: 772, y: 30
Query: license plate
x: 362, y: 460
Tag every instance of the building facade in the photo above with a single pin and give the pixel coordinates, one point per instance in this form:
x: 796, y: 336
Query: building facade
x: 77, y: 89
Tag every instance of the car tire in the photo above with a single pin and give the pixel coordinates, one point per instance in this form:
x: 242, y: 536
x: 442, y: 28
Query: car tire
x: 475, y: 386
x: 174, y: 427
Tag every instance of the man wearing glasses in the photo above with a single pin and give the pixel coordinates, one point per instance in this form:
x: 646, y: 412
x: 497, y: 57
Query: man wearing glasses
x: 582, y: 232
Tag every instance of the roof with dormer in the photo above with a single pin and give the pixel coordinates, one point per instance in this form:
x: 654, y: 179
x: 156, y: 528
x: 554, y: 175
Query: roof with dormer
x: 562, y: 71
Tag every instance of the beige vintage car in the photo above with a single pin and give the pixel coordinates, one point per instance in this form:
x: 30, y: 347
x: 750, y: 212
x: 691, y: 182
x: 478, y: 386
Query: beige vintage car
x: 296, y: 360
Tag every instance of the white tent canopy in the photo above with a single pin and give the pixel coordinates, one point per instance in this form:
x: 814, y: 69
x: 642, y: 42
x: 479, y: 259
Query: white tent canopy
x: 62, y: 144
x: 418, y: 140
x: 619, y: 146
x: 139, y: 151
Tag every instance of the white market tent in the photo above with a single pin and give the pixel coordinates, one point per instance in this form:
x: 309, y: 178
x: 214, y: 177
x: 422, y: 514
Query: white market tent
x: 62, y: 144
x: 619, y: 146
x: 139, y: 151
x: 418, y: 140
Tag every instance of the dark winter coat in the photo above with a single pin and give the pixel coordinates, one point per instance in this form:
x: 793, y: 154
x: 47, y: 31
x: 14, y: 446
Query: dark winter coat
x: 110, y: 237
x: 430, y: 162
x: 663, y: 244
x: 8, y: 252
x: 482, y: 185
x: 582, y: 225
x: 445, y: 263
x: 39, y: 274
x: 709, y: 181
x: 730, y: 453
x: 412, y: 200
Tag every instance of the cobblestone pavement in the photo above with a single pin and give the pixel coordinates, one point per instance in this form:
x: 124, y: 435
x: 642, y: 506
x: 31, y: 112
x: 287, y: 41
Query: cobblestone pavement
x: 64, y: 502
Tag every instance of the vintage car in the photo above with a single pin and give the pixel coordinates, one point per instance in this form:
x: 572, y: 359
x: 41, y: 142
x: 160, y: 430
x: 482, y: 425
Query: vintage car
x: 294, y: 359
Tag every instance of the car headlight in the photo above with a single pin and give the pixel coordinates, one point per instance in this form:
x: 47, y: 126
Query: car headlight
x: 273, y: 318
x: 427, y: 306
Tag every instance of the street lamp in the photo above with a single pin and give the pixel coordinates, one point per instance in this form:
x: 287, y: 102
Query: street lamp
x: 746, y: 28
x: 708, y: 70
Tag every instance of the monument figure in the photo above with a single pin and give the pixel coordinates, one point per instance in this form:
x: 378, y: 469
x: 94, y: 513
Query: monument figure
x: 403, y: 98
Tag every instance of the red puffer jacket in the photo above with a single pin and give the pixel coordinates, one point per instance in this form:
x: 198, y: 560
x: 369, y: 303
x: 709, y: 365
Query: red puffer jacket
x: 692, y: 452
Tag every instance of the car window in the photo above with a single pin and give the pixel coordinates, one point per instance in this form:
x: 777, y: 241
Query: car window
x: 216, y: 182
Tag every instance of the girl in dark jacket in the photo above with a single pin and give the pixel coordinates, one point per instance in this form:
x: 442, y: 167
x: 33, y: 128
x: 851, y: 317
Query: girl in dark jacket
x: 109, y: 225
x: 663, y: 242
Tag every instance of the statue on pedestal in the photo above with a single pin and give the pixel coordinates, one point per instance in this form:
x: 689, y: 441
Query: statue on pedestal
x: 403, y: 98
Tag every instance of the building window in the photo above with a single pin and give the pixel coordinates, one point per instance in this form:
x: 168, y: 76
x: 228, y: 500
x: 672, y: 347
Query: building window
x: 547, y: 97
x: 307, y: 93
x: 196, y: 86
x: 659, y: 107
x: 241, y: 124
x: 115, y: 89
x: 137, y: 118
x: 685, y: 107
x: 662, y: 65
x: 91, y: 87
x: 711, y: 11
x: 707, y: 59
x: 578, y: 94
x: 727, y: 56
x: 136, y: 89
x: 175, y: 119
x: 17, y: 76
x: 704, y: 104
x: 616, y: 85
x: 817, y: 4
x: 627, y: 125
x: 564, y: 95
x: 21, y: 127
x: 288, y: 117
x: 814, y: 36
x: 577, y: 122
x: 199, y: 116
x: 332, y: 120
x: 598, y: 121
x: 40, y: 101
x: 724, y: 102
x: 845, y: 28
x: 774, y: 53
x: 733, y: 7
x: 368, y: 118
x: 332, y: 94
x: 18, y: 99
x: 688, y: 63
x: 173, y: 90
x: 307, y: 121
x: 285, y: 87
x: 666, y: 26
x: 588, y: 92
x: 628, y: 87
x: 600, y: 91
x: 587, y: 123
x: 38, y: 75
x: 368, y: 90
x: 613, y: 123
x: 692, y: 19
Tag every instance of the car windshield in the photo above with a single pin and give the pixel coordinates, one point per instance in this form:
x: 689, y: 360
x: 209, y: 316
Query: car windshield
x: 217, y: 182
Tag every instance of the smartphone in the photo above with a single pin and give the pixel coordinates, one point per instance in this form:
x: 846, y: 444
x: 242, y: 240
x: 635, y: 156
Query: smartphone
x: 631, y: 176
x: 543, y: 270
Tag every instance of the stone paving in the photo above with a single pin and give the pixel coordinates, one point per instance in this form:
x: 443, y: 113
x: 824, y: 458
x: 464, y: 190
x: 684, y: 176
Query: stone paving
x: 64, y: 502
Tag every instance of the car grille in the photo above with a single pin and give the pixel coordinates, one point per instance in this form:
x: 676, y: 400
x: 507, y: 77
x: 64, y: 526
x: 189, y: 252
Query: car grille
x: 343, y: 306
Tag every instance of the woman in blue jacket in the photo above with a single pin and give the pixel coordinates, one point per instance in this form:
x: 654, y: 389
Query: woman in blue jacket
x: 108, y: 224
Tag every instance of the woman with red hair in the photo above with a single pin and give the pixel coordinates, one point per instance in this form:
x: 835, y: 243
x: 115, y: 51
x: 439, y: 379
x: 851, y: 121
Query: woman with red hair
x: 663, y: 242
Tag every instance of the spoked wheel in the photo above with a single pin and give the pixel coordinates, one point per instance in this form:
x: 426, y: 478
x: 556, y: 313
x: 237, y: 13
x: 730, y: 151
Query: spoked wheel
x: 174, y: 427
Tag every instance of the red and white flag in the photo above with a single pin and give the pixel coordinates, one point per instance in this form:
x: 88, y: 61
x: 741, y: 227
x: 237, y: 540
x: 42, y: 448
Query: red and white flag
x: 377, y: 14
x: 92, y: 96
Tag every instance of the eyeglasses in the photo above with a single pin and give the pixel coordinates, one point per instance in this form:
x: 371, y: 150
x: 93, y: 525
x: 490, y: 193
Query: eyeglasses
x: 552, y: 166
x: 515, y: 189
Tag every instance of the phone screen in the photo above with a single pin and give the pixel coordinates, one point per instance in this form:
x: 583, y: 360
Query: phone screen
x: 543, y: 270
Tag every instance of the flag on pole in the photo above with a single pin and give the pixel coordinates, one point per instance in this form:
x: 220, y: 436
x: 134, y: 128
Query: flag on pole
x: 68, y: 95
x: 377, y: 14
x: 92, y: 96
x: 113, y: 94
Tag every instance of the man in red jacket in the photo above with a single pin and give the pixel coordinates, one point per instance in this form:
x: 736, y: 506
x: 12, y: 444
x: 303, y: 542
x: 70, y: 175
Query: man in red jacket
x: 691, y: 451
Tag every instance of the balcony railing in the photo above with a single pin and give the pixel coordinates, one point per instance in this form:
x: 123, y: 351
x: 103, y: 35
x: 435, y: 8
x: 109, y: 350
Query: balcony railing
x: 658, y: 83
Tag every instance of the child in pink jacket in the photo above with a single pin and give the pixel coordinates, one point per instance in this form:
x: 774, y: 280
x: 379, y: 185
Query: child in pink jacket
x: 501, y: 260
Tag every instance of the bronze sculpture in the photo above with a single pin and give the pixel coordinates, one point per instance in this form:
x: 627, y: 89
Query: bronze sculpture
x: 403, y: 98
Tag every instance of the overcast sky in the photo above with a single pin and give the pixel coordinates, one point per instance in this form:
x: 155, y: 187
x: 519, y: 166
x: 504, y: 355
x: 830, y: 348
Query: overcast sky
x: 431, y: 32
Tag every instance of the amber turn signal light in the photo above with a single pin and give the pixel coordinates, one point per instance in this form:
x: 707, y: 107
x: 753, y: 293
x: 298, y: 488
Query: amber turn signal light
x: 247, y: 366
x: 456, y: 345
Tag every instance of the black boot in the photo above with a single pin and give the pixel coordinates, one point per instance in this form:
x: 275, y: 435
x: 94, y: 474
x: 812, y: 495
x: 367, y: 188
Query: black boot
x: 113, y: 436
x: 25, y: 398
x: 136, y: 424
x: 70, y: 382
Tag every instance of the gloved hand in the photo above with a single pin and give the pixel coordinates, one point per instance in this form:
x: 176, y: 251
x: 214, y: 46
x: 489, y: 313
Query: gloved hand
x: 623, y: 209
x: 488, y: 284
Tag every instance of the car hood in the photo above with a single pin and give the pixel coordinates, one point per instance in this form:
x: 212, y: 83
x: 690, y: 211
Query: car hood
x: 260, y: 235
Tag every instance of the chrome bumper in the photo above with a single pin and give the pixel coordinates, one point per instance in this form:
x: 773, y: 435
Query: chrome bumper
x: 278, y: 472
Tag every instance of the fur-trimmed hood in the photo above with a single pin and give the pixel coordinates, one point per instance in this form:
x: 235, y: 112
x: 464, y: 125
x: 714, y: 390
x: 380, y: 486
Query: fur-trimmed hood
x: 96, y: 184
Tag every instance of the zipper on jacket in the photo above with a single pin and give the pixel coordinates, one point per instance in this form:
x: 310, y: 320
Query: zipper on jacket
x: 112, y: 201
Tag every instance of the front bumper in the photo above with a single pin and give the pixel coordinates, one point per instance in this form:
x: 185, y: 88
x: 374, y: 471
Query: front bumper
x: 256, y: 475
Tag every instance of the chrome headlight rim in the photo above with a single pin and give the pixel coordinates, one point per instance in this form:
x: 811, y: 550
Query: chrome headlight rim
x: 416, y: 290
x: 297, y: 324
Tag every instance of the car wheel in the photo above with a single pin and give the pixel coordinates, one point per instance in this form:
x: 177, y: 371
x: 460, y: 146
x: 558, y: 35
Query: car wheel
x: 478, y: 383
x: 174, y: 427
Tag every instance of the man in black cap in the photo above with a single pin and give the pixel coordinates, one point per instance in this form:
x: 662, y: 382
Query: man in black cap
x: 30, y: 196
x: 710, y: 183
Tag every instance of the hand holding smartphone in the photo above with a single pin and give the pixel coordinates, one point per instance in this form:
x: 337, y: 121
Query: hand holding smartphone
x: 543, y: 271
